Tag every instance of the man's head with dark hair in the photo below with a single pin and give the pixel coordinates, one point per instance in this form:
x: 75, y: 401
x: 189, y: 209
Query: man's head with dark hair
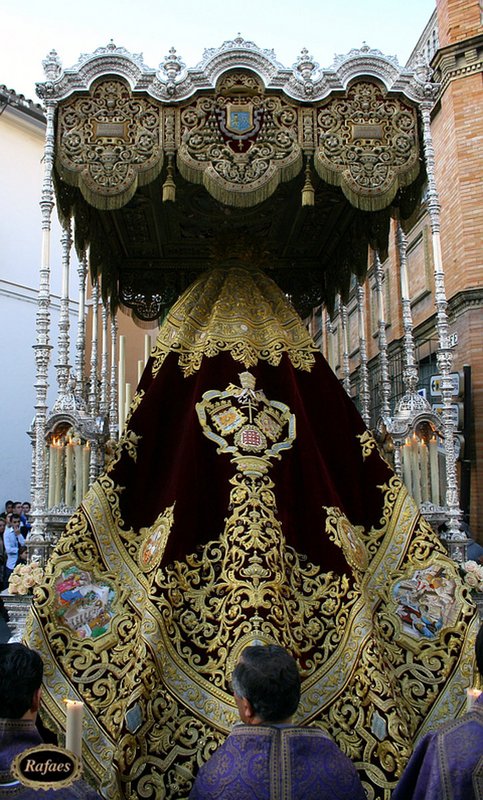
x: 266, y: 684
x: 21, y: 672
x: 479, y: 650
x: 14, y: 523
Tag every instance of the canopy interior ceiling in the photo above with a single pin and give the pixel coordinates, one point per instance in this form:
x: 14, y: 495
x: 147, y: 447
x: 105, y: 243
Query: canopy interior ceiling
x: 243, y: 164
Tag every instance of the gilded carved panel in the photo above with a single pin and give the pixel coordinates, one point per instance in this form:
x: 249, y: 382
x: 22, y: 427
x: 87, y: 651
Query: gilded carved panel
x: 239, y: 143
x: 367, y: 143
x: 109, y: 142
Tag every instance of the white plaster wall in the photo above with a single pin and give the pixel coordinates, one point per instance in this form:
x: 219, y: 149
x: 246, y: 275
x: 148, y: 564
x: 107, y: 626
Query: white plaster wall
x: 21, y: 172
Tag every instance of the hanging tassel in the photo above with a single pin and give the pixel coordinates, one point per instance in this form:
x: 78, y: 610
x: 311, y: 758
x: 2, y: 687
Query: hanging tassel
x: 169, y: 186
x: 308, y: 193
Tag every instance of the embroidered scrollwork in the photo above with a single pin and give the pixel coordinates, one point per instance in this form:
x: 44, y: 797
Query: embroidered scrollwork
x: 237, y: 311
x: 367, y: 144
x: 109, y: 142
x: 127, y: 443
x: 239, y: 144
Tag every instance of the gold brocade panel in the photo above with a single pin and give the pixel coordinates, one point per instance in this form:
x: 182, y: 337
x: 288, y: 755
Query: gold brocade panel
x: 146, y: 633
x: 237, y: 310
x: 384, y: 649
x: 240, y: 142
x: 367, y: 143
x: 109, y: 142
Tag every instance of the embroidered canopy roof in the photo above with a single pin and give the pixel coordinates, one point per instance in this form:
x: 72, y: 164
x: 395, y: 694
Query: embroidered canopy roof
x: 168, y: 172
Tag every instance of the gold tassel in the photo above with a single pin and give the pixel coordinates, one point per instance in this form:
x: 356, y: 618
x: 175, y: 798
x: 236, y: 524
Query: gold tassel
x: 308, y: 193
x: 169, y: 186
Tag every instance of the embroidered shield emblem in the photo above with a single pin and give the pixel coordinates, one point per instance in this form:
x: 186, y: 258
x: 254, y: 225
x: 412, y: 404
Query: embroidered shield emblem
x: 250, y: 438
x: 239, y: 118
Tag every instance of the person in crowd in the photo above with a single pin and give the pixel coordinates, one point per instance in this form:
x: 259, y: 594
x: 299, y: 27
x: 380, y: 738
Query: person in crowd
x: 266, y: 755
x: 8, y: 506
x: 25, y: 524
x: 448, y: 762
x: 3, y: 561
x: 14, y: 543
x: 3, y: 552
x: 17, y: 507
x: 21, y: 671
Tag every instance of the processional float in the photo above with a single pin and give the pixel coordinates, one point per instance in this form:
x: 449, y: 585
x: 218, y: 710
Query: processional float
x: 246, y: 501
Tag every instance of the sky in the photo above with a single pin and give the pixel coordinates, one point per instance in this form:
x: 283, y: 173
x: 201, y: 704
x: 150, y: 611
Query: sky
x: 31, y: 28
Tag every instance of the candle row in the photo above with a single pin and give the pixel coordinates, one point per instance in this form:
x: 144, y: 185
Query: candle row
x: 421, y: 469
x: 69, y: 465
x: 75, y: 713
x: 124, y: 393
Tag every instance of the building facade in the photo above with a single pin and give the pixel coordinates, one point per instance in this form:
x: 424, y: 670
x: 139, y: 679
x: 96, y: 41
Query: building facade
x: 452, y: 42
x: 22, y: 136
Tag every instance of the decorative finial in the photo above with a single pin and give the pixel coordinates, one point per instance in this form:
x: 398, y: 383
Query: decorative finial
x: 52, y: 66
x: 306, y: 65
x: 172, y: 66
x: 422, y: 69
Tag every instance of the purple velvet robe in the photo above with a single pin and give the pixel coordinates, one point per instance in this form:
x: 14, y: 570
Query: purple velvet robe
x: 270, y: 762
x: 17, y: 735
x: 447, y: 764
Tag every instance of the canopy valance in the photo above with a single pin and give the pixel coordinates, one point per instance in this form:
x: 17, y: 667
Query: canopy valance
x: 160, y: 177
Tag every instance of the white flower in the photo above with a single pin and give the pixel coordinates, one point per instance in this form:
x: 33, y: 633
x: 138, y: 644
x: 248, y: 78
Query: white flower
x: 25, y: 577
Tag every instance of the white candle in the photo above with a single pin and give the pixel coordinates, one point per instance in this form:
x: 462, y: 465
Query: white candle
x: 69, y: 470
x: 433, y: 470
x: 140, y: 369
x: 415, y: 476
x: 128, y: 396
x: 147, y: 348
x: 78, y: 473
x: 406, y: 461
x: 423, y: 454
x: 472, y: 696
x: 50, y: 500
x: 121, y: 374
x: 73, y: 727
x: 58, y: 474
x: 86, y: 460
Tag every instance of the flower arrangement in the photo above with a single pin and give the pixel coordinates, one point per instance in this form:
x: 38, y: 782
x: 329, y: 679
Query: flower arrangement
x: 473, y: 575
x: 25, y: 577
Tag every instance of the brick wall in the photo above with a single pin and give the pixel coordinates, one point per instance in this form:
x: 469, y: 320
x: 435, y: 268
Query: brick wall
x: 458, y: 20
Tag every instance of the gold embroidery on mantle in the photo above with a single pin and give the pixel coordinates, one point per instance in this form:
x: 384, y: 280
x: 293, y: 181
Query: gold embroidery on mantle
x: 235, y: 310
x: 156, y: 694
x: 369, y: 445
x: 348, y: 537
x: 109, y: 142
x: 367, y: 145
x: 249, y: 586
x: 156, y: 536
x: 127, y: 443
